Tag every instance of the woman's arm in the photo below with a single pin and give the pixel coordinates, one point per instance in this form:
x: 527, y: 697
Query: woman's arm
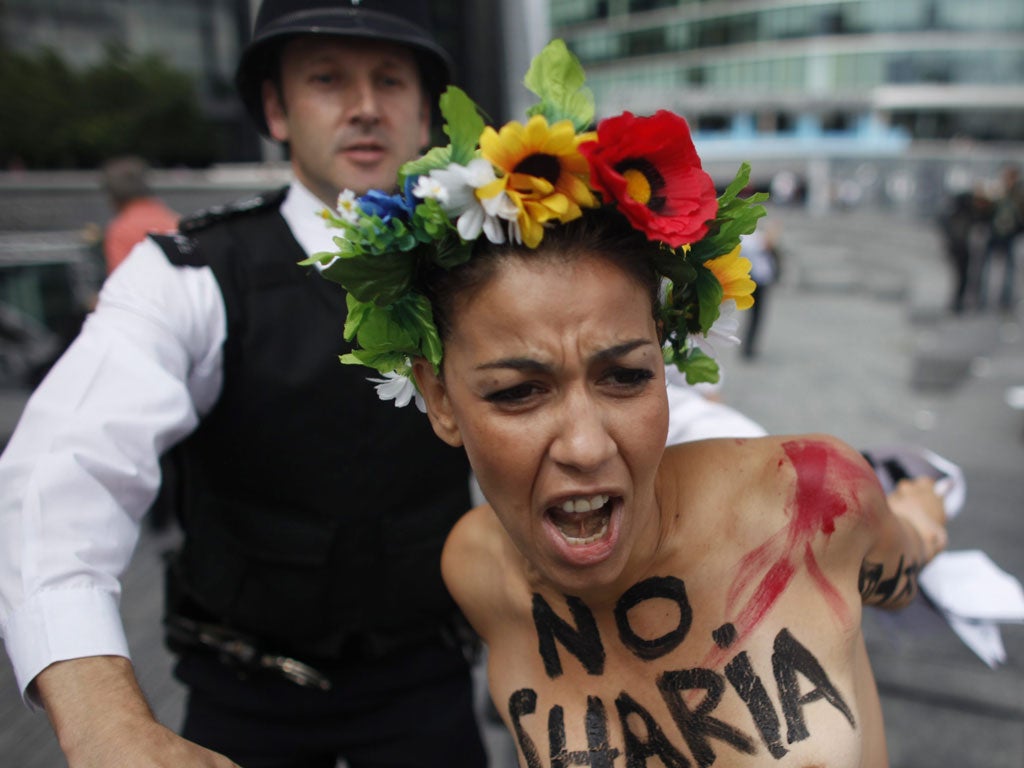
x: 910, y: 533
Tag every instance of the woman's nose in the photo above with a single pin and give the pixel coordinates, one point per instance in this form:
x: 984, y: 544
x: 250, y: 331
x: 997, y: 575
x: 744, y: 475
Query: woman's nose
x: 582, y: 441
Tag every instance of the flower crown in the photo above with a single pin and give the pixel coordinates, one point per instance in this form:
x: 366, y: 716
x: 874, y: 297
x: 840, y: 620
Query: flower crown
x: 514, y: 183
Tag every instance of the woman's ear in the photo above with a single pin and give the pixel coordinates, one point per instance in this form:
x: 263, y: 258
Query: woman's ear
x: 439, y: 409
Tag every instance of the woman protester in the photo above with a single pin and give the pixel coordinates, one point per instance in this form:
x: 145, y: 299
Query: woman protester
x: 696, y: 605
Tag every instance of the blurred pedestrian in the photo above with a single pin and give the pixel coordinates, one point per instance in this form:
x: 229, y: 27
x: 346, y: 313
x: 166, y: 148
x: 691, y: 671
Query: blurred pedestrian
x: 137, y: 210
x: 1006, y: 225
x: 761, y: 248
x: 959, y: 222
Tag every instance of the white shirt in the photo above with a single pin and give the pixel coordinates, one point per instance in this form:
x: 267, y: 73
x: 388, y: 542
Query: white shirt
x: 84, y: 458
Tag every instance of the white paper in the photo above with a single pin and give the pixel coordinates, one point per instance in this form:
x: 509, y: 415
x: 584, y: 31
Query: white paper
x: 982, y: 637
x: 970, y: 586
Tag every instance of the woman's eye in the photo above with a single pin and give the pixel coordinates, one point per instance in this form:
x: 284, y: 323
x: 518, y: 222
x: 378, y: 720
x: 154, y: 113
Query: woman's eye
x: 512, y: 395
x: 629, y: 377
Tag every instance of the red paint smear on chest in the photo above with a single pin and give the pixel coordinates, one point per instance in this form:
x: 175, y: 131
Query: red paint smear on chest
x: 817, y: 503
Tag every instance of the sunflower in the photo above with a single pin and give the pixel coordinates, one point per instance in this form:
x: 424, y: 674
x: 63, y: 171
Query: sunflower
x: 733, y: 272
x: 543, y: 172
x: 649, y: 167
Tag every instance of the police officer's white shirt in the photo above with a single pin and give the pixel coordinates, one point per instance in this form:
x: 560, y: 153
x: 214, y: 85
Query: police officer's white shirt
x: 82, y: 465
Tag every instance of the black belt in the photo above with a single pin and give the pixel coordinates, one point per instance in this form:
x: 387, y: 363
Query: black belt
x: 241, y: 651
x: 237, y: 650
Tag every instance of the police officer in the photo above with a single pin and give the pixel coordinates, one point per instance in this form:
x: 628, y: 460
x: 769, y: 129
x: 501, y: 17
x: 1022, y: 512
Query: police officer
x: 306, y: 603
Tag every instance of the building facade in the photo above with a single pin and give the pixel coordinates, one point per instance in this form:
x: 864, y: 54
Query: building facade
x: 784, y: 79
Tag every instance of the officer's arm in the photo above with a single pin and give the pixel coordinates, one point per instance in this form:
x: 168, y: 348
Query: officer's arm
x: 102, y: 719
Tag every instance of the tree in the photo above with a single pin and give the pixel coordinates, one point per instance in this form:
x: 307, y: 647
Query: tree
x: 55, y: 117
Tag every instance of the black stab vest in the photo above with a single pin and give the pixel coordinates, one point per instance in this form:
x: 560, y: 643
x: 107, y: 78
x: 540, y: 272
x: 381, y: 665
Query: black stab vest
x: 314, y: 513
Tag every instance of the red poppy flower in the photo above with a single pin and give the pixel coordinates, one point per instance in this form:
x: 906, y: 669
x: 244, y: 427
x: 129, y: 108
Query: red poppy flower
x: 649, y: 167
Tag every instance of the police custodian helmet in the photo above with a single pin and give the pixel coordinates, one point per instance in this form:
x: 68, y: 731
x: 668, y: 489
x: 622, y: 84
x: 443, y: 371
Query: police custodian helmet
x: 406, y: 22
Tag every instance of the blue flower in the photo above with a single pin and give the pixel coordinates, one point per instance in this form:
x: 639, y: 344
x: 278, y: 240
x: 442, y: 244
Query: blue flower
x: 399, y: 206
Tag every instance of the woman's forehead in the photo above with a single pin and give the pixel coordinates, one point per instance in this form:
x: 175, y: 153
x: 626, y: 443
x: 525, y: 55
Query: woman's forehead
x: 527, y: 302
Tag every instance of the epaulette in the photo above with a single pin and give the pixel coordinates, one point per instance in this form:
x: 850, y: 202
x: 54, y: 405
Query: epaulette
x: 204, y: 218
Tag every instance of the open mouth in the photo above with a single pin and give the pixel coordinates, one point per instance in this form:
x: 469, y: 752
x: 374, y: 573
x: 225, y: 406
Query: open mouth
x: 582, y: 520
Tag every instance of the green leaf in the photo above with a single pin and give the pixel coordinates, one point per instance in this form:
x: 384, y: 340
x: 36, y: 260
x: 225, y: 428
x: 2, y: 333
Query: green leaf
x: 557, y: 77
x: 452, y: 251
x: 698, y: 367
x: 416, y: 314
x: 321, y: 257
x: 383, y: 328
x: 709, y: 296
x: 357, y: 312
x: 387, y: 336
x: 380, y: 279
x: 672, y: 263
x: 384, y: 362
x: 437, y: 157
x: 736, y: 216
x: 463, y: 124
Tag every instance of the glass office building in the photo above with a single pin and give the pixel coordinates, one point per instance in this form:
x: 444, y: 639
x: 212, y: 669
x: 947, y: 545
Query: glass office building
x: 895, y: 100
x: 929, y: 69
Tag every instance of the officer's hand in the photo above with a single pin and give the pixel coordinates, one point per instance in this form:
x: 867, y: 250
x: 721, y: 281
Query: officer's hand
x: 102, y: 719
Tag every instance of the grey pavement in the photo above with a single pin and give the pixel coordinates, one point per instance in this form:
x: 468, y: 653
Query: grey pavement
x: 857, y: 343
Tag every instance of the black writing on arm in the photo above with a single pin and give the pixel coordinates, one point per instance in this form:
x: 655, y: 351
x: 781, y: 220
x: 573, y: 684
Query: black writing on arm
x: 882, y: 591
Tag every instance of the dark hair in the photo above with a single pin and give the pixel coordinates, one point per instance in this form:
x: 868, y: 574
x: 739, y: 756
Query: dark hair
x: 602, y: 233
x: 125, y: 179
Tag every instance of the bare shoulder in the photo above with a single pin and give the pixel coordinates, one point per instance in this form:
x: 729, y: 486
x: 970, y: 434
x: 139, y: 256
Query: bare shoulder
x: 476, y: 565
x: 791, y: 478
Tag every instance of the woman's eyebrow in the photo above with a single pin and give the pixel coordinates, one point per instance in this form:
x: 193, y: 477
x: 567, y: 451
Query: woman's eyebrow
x: 620, y: 349
x: 529, y: 364
x: 516, y: 364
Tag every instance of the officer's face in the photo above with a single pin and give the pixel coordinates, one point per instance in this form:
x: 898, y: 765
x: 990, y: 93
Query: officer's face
x: 352, y: 112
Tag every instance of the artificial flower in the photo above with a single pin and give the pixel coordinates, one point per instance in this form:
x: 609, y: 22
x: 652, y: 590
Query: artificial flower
x: 733, y: 272
x: 649, y: 167
x: 544, y: 173
x: 725, y: 330
x: 395, y: 386
x: 348, y: 208
x: 474, y: 215
x: 387, y: 207
x: 428, y: 188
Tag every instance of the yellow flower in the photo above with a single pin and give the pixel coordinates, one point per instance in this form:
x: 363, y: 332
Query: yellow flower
x: 543, y: 172
x: 733, y: 272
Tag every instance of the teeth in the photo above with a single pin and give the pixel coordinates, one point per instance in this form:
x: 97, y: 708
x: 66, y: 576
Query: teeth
x: 585, y: 505
x: 576, y: 540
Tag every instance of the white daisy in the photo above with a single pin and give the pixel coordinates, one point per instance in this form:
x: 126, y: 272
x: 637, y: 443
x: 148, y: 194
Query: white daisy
x: 399, y: 388
x: 427, y: 187
x: 348, y: 207
x: 725, y: 329
x: 474, y: 216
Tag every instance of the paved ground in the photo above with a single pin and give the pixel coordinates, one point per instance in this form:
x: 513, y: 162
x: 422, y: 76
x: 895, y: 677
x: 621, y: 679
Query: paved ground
x: 856, y: 343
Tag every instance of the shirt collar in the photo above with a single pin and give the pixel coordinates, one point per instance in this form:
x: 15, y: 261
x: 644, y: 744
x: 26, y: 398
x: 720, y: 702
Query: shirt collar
x: 301, y: 210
